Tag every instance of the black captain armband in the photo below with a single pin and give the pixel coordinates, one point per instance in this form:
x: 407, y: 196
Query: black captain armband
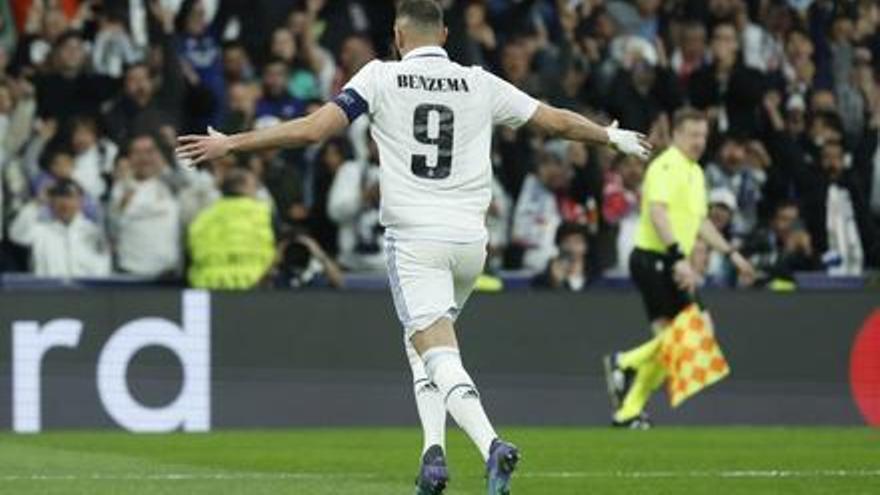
x: 352, y: 103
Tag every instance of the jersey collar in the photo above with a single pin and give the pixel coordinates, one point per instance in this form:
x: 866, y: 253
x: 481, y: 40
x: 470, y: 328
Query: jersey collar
x: 426, y: 51
x: 683, y: 157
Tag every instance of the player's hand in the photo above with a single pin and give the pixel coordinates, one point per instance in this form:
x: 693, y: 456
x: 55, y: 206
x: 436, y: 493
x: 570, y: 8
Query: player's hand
x: 745, y: 269
x: 684, y: 275
x: 195, y: 149
x: 629, y: 142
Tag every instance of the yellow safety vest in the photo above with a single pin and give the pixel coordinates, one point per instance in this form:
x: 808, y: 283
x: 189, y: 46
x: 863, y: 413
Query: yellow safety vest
x: 231, y: 244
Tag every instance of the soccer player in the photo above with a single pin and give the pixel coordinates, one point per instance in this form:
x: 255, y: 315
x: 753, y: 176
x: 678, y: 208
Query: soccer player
x: 432, y: 120
x: 674, y: 209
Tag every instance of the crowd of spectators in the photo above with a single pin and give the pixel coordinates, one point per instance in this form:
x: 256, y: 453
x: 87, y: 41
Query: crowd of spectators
x: 93, y: 95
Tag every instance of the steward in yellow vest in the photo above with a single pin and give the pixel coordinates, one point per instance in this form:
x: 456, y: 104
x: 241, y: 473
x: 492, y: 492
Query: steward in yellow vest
x: 231, y: 243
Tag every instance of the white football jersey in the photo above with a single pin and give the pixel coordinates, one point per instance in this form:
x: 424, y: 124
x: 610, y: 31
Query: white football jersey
x: 432, y: 120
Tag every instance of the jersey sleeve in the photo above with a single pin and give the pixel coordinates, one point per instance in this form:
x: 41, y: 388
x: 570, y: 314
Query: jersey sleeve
x: 511, y: 107
x: 703, y: 201
x: 658, y: 182
x: 359, y: 94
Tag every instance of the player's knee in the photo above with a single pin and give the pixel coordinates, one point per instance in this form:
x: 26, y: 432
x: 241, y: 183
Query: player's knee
x: 440, y: 333
x: 444, y: 368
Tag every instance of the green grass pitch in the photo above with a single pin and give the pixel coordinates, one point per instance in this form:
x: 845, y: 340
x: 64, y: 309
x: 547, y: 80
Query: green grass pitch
x: 557, y: 461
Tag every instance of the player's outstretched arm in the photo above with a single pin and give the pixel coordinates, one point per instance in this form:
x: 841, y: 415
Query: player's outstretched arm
x: 314, y: 128
x: 569, y: 125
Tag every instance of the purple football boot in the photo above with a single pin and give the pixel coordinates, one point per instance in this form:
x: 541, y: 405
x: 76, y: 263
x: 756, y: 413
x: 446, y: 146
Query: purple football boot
x: 502, y: 461
x: 433, y: 475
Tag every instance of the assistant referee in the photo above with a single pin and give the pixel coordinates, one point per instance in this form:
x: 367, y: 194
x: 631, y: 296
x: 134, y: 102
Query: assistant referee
x: 673, y: 216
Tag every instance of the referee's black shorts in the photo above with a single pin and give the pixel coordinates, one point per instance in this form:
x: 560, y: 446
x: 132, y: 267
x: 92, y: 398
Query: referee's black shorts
x: 653, y: 277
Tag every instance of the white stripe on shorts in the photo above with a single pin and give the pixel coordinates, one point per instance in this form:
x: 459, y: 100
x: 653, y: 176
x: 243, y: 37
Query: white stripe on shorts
x: 394, y: 281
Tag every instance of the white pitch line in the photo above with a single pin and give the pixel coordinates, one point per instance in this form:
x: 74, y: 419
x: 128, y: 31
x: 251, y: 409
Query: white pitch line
x: 735, y: 474
x: 770, y: 473
x: 186, y: 476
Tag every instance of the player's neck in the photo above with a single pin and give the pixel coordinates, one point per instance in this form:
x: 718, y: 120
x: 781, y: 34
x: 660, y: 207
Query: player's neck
x: 420, y: 46
x: 683, y: 150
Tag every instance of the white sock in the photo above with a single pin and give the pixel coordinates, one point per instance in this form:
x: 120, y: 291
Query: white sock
x: 444, y: 367
x: 429, y: 402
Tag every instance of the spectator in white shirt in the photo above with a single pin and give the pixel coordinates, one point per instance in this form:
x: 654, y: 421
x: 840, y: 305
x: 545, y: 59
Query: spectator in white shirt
x: 145, y: 214
x: 62, y: 241
x: 537, y: 214
x: 353, y: 203
x: 498, y: 225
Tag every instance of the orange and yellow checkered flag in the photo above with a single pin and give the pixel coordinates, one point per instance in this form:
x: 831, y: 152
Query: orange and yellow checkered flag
x: 691, y: 355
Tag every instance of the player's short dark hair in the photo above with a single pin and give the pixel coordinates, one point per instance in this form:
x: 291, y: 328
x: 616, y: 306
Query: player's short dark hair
x: 425, y: 13
x: 687, y: 114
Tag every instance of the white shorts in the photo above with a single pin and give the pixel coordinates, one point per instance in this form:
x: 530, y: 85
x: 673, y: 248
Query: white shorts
x: 430, y: 279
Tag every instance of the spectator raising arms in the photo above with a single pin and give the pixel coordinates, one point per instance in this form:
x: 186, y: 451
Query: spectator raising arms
x: 63, y: 242
x: 94, y: 156
x: 144, y: 213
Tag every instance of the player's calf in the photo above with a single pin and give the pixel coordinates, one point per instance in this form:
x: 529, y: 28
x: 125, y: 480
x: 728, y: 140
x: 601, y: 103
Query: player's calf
x: 462, y: 399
